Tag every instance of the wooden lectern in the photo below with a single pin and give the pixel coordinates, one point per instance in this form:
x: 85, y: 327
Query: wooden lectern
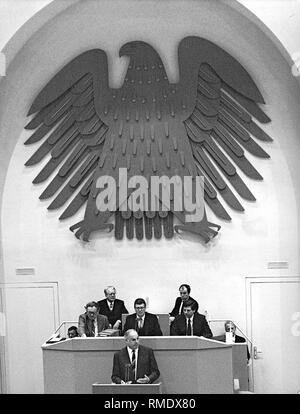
x: 187, y: 364
x: 127, y: 388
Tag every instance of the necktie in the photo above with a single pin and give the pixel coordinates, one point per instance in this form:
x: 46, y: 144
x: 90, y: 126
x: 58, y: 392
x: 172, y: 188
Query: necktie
x: 133, y: 364
x: 189, y: 328
x: 111, y: 306
x: 139, y: 323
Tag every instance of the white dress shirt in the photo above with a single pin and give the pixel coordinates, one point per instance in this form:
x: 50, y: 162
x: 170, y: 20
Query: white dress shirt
x: 140, y: 320
x: 180, y: 308
x: 96, y: 326
x: 110, y: 305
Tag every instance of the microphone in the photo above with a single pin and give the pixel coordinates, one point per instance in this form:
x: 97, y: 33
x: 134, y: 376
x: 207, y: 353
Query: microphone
x: 127, y: 372
x: 129, y: 368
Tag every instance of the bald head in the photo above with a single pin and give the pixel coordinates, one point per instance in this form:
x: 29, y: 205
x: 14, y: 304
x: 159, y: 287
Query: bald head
x: 131, y: 339
x: 110, y: 293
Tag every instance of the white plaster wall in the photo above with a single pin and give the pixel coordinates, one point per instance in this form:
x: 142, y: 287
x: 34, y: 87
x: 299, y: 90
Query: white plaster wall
x: 280, y: 16
x: 267, y: 231
x: 14, y: 13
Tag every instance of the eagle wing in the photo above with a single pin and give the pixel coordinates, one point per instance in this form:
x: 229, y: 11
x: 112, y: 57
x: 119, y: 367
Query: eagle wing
x: 220, y: 125
x: 67, y: 119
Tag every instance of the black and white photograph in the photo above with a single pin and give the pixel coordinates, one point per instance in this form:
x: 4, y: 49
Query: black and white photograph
x: 149, y: 199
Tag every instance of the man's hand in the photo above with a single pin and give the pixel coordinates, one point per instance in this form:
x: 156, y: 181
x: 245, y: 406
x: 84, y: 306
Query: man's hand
x: 171, y: 319
x: 128, y: 382
x: 116, y: 325
x: 144, y: 380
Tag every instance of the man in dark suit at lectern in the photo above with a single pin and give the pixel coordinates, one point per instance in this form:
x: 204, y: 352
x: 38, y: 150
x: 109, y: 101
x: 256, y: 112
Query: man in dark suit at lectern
x: 134, y: 363
x: 191, y: 322
x: 145, y: 323
x: 112, y: 308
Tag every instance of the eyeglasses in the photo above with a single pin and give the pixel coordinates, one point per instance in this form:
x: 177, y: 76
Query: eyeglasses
x: 140, y: 307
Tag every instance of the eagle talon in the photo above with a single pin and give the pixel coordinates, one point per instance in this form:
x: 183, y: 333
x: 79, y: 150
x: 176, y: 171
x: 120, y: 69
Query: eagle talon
x: 82, y: 229
x: 109, y: 226
x: 76, y: 226
x: 217, y: 226
x: 204, y: 231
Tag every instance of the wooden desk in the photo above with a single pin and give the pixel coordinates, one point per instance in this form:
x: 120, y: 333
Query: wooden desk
x: 239, y: 365
x: 187, y: 364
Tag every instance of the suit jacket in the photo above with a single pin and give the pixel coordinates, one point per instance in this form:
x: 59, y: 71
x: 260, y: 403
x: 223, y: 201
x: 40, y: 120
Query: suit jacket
x: 238, y: 339
x: 200, y: 326
x: 177, y: 305
x: 146, y: 364
x: 86, y: 325
x: 115, y: 314
x: 150, y: 328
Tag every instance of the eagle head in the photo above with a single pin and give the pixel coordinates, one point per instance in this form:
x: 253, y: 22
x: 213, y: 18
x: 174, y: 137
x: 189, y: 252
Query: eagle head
x: 140, y: 53
x: 137, y: 48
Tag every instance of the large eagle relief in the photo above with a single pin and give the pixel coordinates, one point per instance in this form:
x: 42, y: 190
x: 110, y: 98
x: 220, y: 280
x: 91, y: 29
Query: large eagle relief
x: 201, y: 126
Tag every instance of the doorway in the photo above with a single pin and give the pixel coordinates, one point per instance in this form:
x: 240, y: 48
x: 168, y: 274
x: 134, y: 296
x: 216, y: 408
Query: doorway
x: 31, y: 313
x: 273, y: 325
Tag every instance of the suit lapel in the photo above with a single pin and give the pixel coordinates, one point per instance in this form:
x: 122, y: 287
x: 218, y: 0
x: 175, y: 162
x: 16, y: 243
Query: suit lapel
x: 126, y: 360
x: 183, y: 324
x: 99, y: 327
x: 196, y: 324
x: 146, y: 321
x: 108, y: 308
x: 126, y: 356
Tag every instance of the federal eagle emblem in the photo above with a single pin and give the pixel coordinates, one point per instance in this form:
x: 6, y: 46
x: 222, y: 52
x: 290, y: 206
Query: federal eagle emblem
x: 200, y: 126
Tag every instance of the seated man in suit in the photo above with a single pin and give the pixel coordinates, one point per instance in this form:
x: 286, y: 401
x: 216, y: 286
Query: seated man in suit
x: 91, y: 323
x: 112, y: 307
x: 184, y: 292
x: 134, y: 363
x: 146, y: 324
x: 191, y: 322
x: 230, y: 336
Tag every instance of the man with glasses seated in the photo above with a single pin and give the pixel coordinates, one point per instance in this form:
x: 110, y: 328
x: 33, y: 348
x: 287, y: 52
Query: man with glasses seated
x: 230, y: 336
x: 145, y: 323
x: 91, y: 323
x: 112, y: 308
